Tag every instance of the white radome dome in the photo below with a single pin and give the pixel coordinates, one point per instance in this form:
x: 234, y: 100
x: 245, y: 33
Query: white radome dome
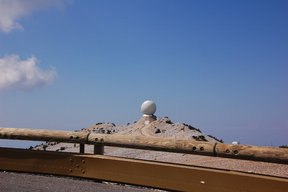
x: 148, y: 107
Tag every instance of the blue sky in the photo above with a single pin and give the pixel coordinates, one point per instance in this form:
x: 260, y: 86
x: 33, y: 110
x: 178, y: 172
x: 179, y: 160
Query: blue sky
x: 220, y: 66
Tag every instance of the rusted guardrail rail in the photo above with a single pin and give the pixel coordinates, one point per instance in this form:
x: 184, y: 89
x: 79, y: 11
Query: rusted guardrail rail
x: 138, y: 172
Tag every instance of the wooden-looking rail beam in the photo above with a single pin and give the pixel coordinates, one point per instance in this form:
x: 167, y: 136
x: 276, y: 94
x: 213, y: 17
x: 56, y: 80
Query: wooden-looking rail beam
x: 256, y: 153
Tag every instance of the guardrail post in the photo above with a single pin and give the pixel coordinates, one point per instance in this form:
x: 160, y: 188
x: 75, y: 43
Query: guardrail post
x: 99, y: 149
x: 82, y: 148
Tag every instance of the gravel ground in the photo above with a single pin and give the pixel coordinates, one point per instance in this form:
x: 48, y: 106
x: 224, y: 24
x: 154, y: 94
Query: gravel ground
x: 24, y: 182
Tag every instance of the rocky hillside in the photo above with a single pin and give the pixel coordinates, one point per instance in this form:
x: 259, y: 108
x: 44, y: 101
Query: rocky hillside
x: 161, y: 128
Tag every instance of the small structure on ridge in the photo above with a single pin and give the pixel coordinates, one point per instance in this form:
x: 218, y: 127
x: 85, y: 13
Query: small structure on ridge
x: 148, y: 108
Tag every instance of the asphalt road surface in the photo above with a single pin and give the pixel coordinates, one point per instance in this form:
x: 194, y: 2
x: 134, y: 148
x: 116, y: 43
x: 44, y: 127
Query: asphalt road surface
x: 26, y: 182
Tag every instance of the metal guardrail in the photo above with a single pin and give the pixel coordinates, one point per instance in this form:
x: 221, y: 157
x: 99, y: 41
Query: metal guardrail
x: 139, y: 172
x: 247, y: 152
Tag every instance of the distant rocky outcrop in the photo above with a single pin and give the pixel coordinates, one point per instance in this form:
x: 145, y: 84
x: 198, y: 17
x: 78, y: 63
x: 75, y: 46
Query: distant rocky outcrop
x: 160, y: 128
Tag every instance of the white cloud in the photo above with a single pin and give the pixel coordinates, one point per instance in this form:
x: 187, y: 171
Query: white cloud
x: 12, y: 10
x: 17, y: 74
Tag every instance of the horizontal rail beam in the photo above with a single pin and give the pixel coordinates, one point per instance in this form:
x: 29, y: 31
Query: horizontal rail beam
x: 146, y: 173
x: 247, y: 152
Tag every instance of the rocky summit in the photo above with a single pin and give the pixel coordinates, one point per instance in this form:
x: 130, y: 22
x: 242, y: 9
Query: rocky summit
x: 160, y: 128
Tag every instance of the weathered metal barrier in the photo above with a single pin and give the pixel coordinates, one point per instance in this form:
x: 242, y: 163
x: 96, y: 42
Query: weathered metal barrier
x: 248, y: 152
x: 139, y: 172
